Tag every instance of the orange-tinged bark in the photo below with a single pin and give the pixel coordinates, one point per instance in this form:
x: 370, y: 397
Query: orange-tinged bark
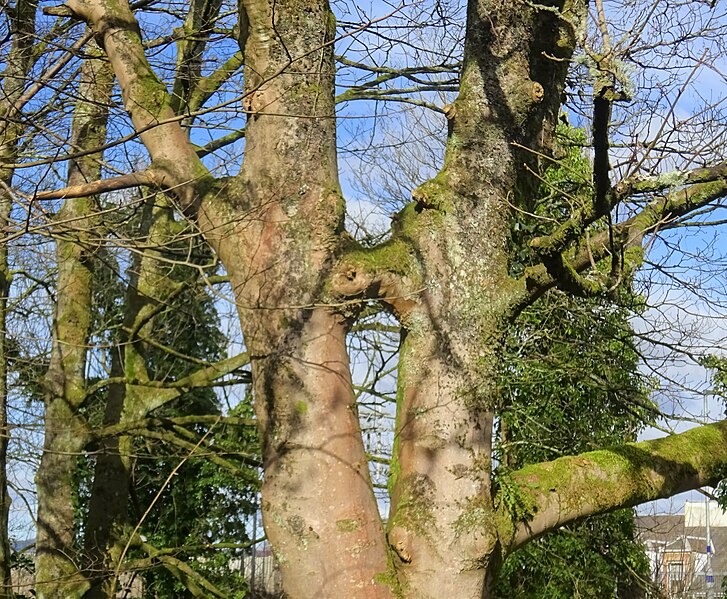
x: 278, y: 229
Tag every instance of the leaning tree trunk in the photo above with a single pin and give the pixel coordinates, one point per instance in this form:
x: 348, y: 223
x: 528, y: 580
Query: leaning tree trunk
x: 57, y: 569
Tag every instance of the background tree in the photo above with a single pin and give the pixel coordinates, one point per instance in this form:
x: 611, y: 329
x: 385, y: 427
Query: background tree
x: 571, y: 383
x: 200, y: 517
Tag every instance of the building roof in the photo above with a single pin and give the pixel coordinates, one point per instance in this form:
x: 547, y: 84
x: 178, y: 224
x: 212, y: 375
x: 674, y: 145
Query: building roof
x: 669, y: 539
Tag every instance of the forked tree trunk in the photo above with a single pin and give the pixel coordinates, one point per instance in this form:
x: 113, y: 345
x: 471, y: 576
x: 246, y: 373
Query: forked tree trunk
x: 445, y: 527
x: 278, y: 229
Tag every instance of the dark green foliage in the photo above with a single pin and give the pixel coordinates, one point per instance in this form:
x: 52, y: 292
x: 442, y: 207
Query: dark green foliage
x: 565, y: 188
x: 200, y: 514
x: 202, y: 511
x: 597, y: 559
x: 717, y: 366
x: 571, y: 385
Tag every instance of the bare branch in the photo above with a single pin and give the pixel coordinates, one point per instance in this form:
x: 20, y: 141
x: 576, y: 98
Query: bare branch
x: 148, y: 177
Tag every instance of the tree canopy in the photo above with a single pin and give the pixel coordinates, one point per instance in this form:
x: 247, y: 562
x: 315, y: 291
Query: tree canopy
x: 160, y: 160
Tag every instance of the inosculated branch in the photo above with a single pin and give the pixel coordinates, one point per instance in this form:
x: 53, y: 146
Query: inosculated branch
x: 549, y: 495
x: 387, y: 272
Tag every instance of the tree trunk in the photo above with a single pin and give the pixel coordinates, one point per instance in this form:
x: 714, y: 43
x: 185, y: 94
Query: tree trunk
x: 319, y: 509
x: 318, y: 505
x: 5, y: 552
x: 57, y: 570
x: 445, y: 525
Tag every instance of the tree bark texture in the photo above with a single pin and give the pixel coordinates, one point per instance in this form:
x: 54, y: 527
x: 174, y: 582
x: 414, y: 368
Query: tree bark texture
x: 57, y: 573
x: 297, y: 278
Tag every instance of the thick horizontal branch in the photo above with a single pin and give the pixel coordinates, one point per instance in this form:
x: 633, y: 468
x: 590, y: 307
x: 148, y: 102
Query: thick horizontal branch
x: 148, y: 177
x: 555, y: 493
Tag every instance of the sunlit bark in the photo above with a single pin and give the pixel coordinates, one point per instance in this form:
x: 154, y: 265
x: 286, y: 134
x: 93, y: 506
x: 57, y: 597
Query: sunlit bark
x: 278, y: 229
x: 57, y: 573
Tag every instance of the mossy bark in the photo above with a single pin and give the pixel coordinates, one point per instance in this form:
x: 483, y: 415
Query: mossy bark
x: 444, y: 521
x: 574, y: 487
x: 56, y: 563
